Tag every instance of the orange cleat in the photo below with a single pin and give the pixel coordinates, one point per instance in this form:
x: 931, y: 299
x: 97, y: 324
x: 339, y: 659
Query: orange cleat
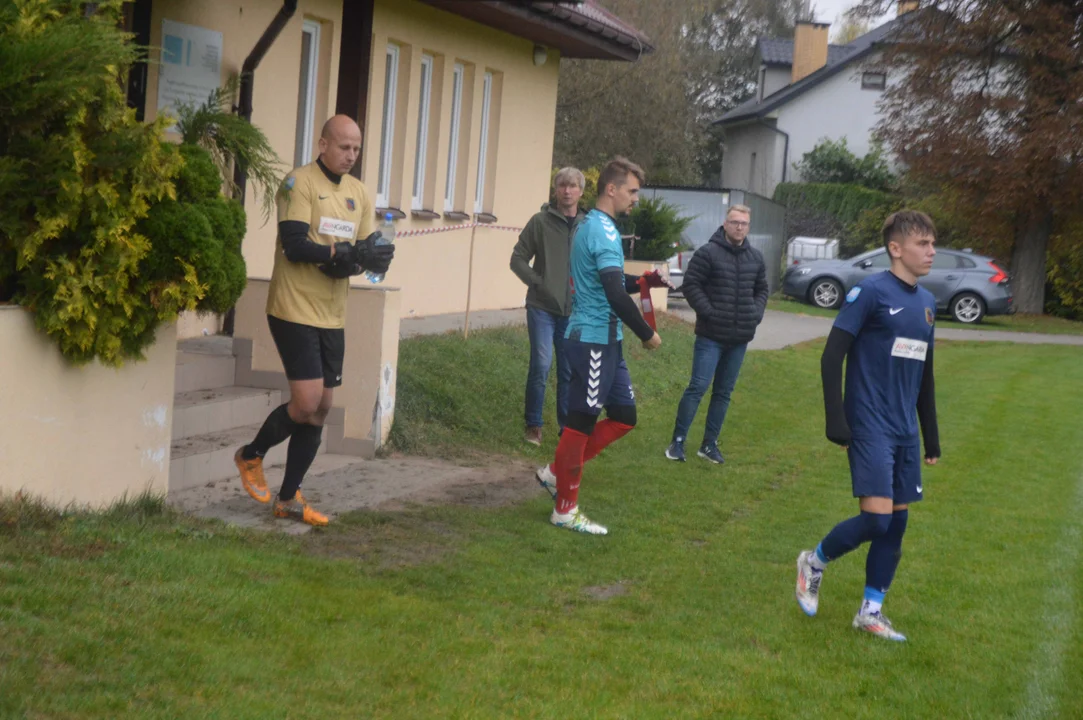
x: 252, y: 477
x: 299, y: 509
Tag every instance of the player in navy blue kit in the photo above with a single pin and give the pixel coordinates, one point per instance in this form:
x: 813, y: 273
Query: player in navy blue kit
x: 885, y: 331
x: 593, y: 346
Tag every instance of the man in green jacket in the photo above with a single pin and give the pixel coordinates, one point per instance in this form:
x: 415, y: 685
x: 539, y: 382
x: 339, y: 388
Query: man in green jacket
x: 547, y: 241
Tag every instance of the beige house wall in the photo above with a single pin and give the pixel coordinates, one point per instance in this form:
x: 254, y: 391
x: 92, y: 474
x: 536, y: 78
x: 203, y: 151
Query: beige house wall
x: 85, y: 435
x: 433, y: 271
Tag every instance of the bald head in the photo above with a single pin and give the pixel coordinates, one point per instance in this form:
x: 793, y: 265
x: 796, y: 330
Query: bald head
x: 340, y: 144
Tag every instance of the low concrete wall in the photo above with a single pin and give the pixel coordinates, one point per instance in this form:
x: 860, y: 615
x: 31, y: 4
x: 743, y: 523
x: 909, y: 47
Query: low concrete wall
x: 364, y: 406
x: 86, y: 435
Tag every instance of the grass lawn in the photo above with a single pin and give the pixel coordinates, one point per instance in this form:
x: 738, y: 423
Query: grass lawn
x: 1012, y: 323
x: 685, y: 610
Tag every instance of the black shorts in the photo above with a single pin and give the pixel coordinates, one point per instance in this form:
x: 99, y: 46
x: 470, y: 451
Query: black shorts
x: 599, y: 377
x: 309, y: 353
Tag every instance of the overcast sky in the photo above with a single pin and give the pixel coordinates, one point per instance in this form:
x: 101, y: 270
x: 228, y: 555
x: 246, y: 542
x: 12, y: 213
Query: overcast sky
x: 830, y: 11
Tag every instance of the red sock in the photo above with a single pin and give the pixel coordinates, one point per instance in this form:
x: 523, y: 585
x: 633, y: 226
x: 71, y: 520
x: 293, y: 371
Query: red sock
x: 605, y: 434
x: 569, y: 468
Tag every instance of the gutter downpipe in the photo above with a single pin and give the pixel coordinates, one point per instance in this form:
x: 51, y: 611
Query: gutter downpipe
x: 785, y: 149
x: 248, y: 71
x: 244, y: 106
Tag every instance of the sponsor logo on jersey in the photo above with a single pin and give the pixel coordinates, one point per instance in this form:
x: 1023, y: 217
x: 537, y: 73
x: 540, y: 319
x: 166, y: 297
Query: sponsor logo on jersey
x: 337, y: 228
x: 910, y: 349
x: 895, y: 311
x: 852, y: 295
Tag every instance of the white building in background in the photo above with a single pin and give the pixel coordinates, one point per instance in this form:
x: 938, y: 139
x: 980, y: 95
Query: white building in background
x: 807, y: 90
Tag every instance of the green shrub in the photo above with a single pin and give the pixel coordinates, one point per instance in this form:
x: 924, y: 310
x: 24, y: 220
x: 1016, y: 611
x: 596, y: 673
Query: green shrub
x: 852, y: 213
x: 77, y: 173
x: 658, y: 226
x: 832, y: 161
x: 200, y: 228
x: 1064, y: 291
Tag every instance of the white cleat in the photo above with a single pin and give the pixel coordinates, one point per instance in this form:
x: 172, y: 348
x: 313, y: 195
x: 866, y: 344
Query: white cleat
x: 547, y: 480
x: 808, y: 584
x: 577, y: 521
x: 878, y: 625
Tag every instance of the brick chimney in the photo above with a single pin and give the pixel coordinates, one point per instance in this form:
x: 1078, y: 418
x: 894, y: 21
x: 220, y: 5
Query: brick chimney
x: 906, y: 6
x: 809, y: 48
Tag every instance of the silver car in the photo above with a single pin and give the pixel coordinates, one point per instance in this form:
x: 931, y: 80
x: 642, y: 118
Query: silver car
x: 968, y: 287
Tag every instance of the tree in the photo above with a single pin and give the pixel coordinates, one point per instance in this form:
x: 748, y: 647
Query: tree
x: 986, y: 100
x: 657, y: 110
x: 831, y: 161
x: 850, y: 29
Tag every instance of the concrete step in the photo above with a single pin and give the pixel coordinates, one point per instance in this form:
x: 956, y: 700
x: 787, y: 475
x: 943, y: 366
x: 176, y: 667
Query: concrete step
x: 203, y: 371
x: 208, y: 458
x: 201, y: 412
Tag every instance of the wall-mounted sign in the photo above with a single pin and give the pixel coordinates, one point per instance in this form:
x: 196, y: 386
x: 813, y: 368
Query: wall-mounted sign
x: 191, y: 67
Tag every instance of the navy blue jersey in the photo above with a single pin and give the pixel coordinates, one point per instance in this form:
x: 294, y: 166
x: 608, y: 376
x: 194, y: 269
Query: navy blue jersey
x: 892, y: 325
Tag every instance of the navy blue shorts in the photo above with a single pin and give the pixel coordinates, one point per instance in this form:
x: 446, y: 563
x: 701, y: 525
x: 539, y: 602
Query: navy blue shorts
x: 881, y: 468
x: 599, y: 377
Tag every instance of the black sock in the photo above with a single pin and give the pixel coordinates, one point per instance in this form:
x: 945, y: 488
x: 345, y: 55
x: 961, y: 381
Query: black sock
x: 304, y: 443
x: 277, y: 427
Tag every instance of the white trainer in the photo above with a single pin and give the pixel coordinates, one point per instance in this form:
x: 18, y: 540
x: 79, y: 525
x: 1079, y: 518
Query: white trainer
x: 577, y: 521
x: 808, y: 584
x: 878, y: 625
x: 547, y: 480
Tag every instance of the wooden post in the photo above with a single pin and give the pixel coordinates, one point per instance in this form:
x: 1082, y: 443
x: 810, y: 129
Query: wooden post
x: 469, y: 281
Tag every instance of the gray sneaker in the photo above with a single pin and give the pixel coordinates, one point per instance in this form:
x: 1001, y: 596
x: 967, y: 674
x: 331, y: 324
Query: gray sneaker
x: 675, y: 451
x: 712, y: 453
x: 878, y: 625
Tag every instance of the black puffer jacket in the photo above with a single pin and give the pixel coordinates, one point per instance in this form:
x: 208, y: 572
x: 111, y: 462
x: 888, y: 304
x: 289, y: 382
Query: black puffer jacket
x: 726, y: 285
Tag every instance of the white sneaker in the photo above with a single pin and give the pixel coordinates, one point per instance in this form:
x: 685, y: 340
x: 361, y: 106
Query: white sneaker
x: 878, y: 625
x: 808, y: 584
x: 577, y: 521
x: 547, y: 480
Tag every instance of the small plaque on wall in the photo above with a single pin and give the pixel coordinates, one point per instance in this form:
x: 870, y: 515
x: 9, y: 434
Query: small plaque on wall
x: 191, y: 66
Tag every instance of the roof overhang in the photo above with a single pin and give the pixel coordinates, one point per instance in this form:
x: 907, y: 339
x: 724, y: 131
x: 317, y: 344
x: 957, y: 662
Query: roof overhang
x: 576, y: 30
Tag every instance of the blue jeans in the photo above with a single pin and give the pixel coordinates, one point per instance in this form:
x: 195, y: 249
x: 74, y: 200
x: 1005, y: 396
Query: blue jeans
x: 546, y: 332
x: 711, y: 361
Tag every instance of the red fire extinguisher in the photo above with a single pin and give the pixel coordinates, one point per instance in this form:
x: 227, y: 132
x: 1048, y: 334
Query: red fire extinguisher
x: 648, y: 280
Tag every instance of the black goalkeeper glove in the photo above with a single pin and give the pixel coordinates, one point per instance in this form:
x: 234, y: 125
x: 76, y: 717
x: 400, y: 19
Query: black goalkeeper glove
x: 374, y: 258
x: 343, y: 264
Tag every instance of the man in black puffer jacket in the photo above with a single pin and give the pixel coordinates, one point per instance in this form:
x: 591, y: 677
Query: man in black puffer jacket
x: 726, y: 285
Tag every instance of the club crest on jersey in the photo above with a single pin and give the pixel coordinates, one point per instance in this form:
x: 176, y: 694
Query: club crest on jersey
x: 929, y: 317
x: 350, y: 205
x: 852, y: 295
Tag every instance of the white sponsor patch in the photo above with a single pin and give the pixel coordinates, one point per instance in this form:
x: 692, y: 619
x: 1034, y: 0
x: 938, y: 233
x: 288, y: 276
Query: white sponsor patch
x: 338, y: 228
x: 907, y: 348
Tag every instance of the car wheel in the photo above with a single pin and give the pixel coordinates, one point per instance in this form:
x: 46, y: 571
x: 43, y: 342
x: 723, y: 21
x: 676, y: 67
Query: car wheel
x: 967, y: 308
x: 826, y: 293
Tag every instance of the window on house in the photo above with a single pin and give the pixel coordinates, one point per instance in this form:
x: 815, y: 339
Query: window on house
x: 490, y: 122
x: 306, y: 93
x: 483, y: 148
x: 424, y: 109
x: 387, y: 134
x: 873, y: 80
x: 450, y: 191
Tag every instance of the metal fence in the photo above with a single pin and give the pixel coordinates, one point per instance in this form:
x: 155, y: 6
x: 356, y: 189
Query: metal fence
x: 707, y: 207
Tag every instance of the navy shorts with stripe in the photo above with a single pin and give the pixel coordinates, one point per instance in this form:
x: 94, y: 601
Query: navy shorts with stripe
x: 882, y: 468
x: 600, y: 377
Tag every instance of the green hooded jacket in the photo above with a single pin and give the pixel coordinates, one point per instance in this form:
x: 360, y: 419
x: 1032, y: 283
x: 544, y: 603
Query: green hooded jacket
x: 547, y: 241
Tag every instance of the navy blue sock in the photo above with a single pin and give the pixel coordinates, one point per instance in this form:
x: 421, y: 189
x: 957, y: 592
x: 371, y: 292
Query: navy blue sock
x: 277, y: 427
x: 848, y: 534
x: 884, y: 554
x: 304, y: 444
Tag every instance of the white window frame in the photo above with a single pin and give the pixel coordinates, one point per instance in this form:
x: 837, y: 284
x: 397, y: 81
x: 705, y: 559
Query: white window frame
x: 308, y: 118
x: 387, y: 133
x: 483, y: 150
x: 417, y: 202
x: 453, y: 146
